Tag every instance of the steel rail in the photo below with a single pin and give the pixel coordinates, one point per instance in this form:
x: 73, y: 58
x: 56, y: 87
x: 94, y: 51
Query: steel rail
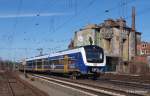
x: 91, y: 88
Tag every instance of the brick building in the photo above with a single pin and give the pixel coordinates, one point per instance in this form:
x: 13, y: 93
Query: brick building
x: 144, y: 48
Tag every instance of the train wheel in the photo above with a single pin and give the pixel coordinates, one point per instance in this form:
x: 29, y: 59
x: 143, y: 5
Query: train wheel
x: 96, y: 76
x: 74, y: 76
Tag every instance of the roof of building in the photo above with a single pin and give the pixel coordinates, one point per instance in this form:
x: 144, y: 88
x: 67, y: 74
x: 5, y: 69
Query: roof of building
x: 109, y: 23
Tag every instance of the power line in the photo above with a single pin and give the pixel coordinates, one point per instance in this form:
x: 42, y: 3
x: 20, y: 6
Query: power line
x: 144, y: 11
x: 110, y: 9
x: 70, y: 2
x: 70, y: 19
x: 15, y: 25
x: 87, y: 7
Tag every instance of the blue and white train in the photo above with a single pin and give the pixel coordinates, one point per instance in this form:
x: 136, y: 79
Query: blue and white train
x: 84, y: 60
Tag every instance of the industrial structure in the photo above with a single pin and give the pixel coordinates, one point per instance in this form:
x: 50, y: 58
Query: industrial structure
x: 118, y: 40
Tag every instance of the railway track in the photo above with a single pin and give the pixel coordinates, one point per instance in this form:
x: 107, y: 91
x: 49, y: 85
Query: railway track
x: 12, y: 93
x: 129, y: 84
x: 129, y: 78
x: 87, y: 87
x: 5, y: 88
x: 12, y: 85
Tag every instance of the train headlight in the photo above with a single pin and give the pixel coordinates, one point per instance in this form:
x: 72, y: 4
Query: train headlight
x: 100, y: 56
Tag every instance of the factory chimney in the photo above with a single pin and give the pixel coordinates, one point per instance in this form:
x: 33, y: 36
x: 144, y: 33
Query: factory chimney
x: 133, y: 19
x: 132, y: 37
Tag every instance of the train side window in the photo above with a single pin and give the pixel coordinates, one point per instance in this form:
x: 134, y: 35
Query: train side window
x: 71, y: 61
x: 61, y: 61
x: 55, y: 61
x: 50, y: 62
x: 45, y: 61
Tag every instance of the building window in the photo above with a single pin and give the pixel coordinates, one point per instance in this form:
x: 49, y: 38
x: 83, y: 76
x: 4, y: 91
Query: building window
x: 143, y: 45
x: 108, y: 44
x: 146, y: 51
x: 142, y: 51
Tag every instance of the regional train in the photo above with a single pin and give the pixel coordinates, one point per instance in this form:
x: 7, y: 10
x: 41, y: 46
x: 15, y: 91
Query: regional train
x: 87, y: 59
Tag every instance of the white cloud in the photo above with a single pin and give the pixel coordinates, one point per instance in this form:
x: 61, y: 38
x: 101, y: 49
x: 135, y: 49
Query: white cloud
x: 33, y: 15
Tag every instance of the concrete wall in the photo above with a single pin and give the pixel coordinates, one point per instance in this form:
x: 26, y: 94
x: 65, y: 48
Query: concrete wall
x: 110, y: 45
x: 107, y: 35
x: 82, y: 37
x: 132, y: 45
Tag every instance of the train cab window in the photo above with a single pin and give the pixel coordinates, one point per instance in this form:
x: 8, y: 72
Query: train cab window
x: 94, y: 54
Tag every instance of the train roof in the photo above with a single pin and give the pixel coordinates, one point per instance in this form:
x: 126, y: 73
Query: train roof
x: 69, y: 51
x: 37, y: 57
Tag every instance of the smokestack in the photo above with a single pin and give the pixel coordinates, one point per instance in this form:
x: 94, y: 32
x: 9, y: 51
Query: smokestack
x: 133, y: 19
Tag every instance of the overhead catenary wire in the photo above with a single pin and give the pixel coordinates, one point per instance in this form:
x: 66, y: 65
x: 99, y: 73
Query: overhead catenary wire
x: 87, y: 7
x: 37, y: 26
x: 52, y: 26
x: 142, y: 12
x: 68, y: 4
x: 118, y: 7
x: 52, y: 21
x: 12, y: 35
x: 81, y: 12
x: 71, y: 18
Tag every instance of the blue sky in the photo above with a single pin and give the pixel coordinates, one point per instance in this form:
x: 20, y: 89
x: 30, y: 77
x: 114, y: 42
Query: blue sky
x: 26, y: 25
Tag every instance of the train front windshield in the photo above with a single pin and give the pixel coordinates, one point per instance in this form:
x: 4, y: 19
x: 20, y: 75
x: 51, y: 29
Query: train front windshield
x: 94, y: 54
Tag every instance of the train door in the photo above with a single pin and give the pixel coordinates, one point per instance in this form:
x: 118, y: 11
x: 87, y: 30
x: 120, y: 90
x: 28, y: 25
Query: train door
x: 39, y: 64
x: 46, y: 64
x: 66, y: 63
